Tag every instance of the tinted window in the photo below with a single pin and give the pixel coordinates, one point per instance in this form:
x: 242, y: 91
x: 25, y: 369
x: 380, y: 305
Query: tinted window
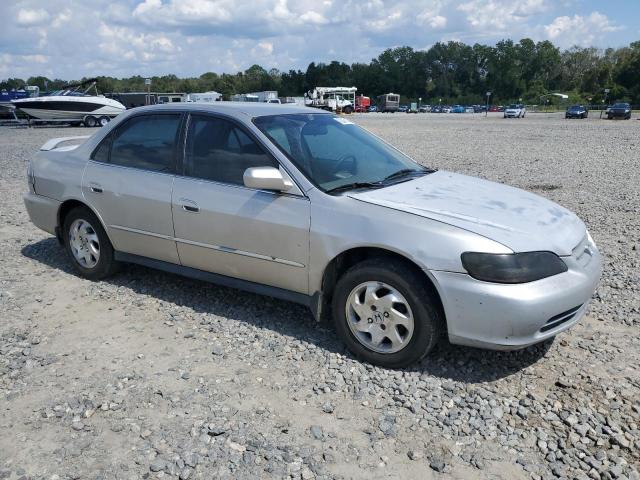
x: 220, y: 151
x: 101, y: 153
x: 147, y: 142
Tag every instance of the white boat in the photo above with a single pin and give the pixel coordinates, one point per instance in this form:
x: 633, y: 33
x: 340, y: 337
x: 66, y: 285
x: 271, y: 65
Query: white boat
x: 72, y: 105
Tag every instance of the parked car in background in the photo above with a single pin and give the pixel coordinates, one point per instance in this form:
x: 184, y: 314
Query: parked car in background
x: 496, y: 108
x: 413, y: 107
x: 469, y: 110
x: 479, y: 108
x: 457, y: 109
x: 515, y: 111
x: 619, y: 110
x: 372, y: 108
x: 403, y: 108
x: 576, y: 111
x: 227, y: 199
x: 425, y: 108
x: 436, y: 109
x: 446, y: 109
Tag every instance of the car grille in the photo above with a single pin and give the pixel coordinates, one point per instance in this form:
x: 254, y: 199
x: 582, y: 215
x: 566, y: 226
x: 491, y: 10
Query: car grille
x: 559, y: 319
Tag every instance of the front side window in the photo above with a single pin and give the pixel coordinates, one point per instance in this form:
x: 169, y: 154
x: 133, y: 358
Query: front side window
x: 147, y: 142
x: 218, y: 150
x: 334, y: 152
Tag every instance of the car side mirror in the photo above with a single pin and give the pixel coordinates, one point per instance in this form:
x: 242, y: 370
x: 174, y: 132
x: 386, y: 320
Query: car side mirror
x: 266, y: 178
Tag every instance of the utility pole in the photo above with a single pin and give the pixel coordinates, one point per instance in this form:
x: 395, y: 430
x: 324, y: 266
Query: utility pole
x: 486, y: 110
x: 147, y: 82
x: 604, y: 101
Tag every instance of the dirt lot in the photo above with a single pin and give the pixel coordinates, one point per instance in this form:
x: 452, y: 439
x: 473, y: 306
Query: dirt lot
x: 149, y: 375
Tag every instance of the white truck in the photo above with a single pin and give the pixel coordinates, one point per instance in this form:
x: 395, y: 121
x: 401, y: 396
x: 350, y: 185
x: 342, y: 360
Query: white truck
x: 333, y: 99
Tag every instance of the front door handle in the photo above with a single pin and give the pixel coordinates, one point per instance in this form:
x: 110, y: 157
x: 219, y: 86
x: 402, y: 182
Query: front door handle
x: 189, y: 205
x: 95, y: 188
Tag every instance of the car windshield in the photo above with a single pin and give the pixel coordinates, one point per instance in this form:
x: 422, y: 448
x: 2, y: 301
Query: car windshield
x: 621, y: 105
x: 335, y: 153
x: 513, y: 106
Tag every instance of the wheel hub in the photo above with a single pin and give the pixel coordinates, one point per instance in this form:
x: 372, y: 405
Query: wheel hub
x: 379, y: 317
x: 84, y: 243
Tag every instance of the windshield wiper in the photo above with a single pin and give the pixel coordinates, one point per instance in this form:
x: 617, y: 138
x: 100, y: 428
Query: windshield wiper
x: 355, y: 185
x: 405, y: 172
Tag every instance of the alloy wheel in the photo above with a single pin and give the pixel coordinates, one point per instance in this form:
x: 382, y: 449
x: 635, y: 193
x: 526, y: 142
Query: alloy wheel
x: 84, y: 243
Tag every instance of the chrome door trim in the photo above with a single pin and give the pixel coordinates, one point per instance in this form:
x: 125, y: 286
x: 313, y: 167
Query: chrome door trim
x: 302, y: 196
x: 112, y: 165
x: 142, y: 232
x: 224, y: 249
x: 219, y: 248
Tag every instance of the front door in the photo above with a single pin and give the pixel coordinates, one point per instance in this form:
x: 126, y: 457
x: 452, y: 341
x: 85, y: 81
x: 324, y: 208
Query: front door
x: 128, y: 183
x: 221, y: 226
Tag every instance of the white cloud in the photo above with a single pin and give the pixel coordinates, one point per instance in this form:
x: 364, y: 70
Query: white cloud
x: 578, y: 29
x: 189, y: 37
x: 501, y: 14
x: 31, y: 18
x: 263, y: 48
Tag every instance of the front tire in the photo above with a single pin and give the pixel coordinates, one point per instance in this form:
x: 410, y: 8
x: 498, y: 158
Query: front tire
x: 88, y: 245
x: 386, y: 314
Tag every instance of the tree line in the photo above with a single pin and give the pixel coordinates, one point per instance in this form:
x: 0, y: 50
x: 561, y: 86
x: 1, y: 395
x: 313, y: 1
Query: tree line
x: 450, y: 72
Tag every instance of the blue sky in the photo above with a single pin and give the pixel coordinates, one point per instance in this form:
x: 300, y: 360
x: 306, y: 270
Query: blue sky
x: 70, y: 39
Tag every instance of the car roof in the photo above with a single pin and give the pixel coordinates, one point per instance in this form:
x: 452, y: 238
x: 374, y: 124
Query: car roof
x: 234, y: 109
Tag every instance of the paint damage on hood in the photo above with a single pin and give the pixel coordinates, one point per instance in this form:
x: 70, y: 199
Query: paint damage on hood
x: 516, y: 218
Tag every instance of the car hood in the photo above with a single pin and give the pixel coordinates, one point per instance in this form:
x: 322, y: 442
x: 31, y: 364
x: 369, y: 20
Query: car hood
x: 520, y: 220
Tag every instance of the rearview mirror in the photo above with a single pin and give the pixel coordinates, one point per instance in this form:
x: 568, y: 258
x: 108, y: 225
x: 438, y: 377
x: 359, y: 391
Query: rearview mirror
x: 266, y: 178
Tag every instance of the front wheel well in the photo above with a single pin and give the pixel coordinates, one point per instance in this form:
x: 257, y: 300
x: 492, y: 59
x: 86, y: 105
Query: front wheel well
x: 344, y: 261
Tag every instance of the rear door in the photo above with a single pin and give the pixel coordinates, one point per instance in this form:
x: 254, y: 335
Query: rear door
x: 128, y: 182
x: 221, y: 226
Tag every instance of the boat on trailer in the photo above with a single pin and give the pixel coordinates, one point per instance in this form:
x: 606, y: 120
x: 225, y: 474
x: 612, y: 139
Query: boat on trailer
x: 73, y: 104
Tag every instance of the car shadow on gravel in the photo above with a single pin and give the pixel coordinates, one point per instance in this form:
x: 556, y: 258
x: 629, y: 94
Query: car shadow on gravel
x: 447, y: 361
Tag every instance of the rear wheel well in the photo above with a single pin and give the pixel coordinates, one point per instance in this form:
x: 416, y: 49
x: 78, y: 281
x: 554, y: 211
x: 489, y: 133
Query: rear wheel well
x: 343, y: 262
x: 63, y: 211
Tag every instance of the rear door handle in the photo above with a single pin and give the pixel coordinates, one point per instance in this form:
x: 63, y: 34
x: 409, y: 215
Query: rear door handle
x: 95, y: 188
x: 189, y: 205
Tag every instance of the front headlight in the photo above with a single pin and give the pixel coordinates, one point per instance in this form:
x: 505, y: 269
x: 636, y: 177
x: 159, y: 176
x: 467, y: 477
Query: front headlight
x: 513, y: 267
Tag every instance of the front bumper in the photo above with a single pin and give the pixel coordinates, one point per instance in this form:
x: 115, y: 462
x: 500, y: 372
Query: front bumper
x: 619, y: 114
x: 509, y: 317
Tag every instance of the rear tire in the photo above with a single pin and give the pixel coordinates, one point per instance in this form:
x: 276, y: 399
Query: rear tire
x: 392, y: 293
x: 104, y: 120
x: 88, y: 245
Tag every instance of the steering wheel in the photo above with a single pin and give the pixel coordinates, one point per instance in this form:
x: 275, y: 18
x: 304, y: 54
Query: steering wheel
x: 344, y: 160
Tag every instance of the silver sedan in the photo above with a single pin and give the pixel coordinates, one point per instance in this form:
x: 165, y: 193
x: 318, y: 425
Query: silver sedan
x: 306, y: 206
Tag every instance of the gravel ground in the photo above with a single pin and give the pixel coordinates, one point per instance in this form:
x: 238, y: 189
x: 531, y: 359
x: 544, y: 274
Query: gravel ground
x: 149, y: 375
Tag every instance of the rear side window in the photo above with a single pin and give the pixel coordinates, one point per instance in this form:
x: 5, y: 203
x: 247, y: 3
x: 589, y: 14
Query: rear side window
x: 220, y: 151
x: 147, y: 142
x: 101, y: 153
